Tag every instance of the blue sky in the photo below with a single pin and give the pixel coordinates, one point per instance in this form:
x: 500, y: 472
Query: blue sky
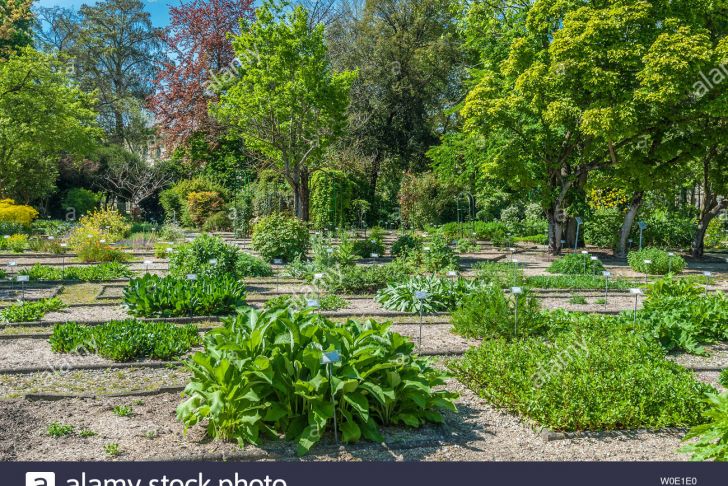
x: 159, y: 9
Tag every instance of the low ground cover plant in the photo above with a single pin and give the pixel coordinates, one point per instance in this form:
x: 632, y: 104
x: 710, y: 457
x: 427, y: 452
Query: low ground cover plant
x: 362, y: 279
x: 661, y: 262
x: 440, y: 294
x: 597, y: 379
x: 261, y: 375
x: 576, y: 264
x: 489, y: 313
x: 102, y: 271
x: 154, y: 296
x: 327, y: 302
x: 16, y: 243
x: 280, y: 236
x: 30, y: 311
x: 125, y: 340
x: 405, y: 243
x: 499, y: 274
x: 578, y: 282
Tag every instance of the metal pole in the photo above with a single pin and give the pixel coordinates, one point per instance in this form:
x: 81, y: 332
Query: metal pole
x: 333, y: 403
x: 515, y: 329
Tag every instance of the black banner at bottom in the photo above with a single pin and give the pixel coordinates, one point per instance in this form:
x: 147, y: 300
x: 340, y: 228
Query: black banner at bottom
x: 360, y: 474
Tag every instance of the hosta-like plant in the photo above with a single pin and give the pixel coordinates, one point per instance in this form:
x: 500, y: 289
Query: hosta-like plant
x: 425, y: 294
x: 154, y: 296
x: 261, y: 375
x: 709, y: 441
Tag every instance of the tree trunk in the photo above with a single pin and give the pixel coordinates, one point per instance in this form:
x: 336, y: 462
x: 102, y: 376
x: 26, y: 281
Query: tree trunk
x: 628, y: 222
x: 711, y: 208
x: 553, y: 215
x: 301, y: 196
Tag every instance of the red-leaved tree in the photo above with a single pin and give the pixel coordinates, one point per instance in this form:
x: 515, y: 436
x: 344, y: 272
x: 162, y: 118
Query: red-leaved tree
x: 200, y: 48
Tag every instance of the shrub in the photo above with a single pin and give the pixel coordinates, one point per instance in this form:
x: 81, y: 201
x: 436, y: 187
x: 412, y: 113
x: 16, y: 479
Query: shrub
x: 153, y: 296
x: 30, y: 311
x: 662, y: 262
x: 174, y: 201
x: 280, y: 236
x: 219, y: 221
x: 404, y: 244
x: 195, y: 257
x: 104, y: 271
x: 251, y: 266
x: 712, y: 436
x: 601, y: 379
x: 52, y: 227
x: 16, y: 243
x: 202, y: 205
x: 576, y: 264
x: 667, y: 230
x: 80, y: 200
x: 262, y: 372
x: 441, y: 294
x: 96, y: 231
x: 16, y: 213
x: 125, y: 340
x: 489, y: 313
x: 171, y: 232
x: 241, y: 209
x: 425, y: 200
x: 365, y: 248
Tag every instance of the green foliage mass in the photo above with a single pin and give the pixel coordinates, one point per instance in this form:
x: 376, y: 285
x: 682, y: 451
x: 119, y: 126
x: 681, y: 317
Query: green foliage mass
x: 154, y: 296
x: 103, y: 271
x: 489, y: 313
x: 261, y: 376
x: 661, y: 262
x: 597, y: 379
x: 442, y: 294
x: 576, y: 264
x: 331, y: 195
x: 30, y: 311
x: 125, y: 340
x: 280, y: 236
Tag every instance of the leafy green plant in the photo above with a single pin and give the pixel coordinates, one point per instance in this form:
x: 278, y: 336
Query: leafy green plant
x: 30, y: 311
x: 578, y: 282
x: 123, y: 410
x: 248, y: 265
x: 57, y: 429
x: 710, y: 439
x: 680, y: 320
x: 364, y: 248
x: 467, y: 245
x: 86, y: 433
x: 576, y: 264
x: 577, y: 300
x: 327, y: 302
x: 207, y: 256
x: 440, y: 294
x: 723, y: 378
x: 261, y: 374
x: 600, y: 378
x: 361, y: 279
x: 112, y: 449
x: 489, y: 313
x: 154, y: 296
x: 280, y: 236
x: 661, y: 263
x: 125, y: 340
x: 103, y: 271
x: 404, y: 244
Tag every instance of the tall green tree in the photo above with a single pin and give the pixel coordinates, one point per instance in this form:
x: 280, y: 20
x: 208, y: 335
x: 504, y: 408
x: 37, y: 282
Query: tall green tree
x: 285, y: 99
x: 118, y: 53
x: 42, y: 117
x: 411, y: 68
x: 16, y: 22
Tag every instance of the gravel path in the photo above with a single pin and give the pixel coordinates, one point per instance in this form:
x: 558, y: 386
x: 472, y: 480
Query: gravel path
x: 477, y: 433
x: 87, y: 313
